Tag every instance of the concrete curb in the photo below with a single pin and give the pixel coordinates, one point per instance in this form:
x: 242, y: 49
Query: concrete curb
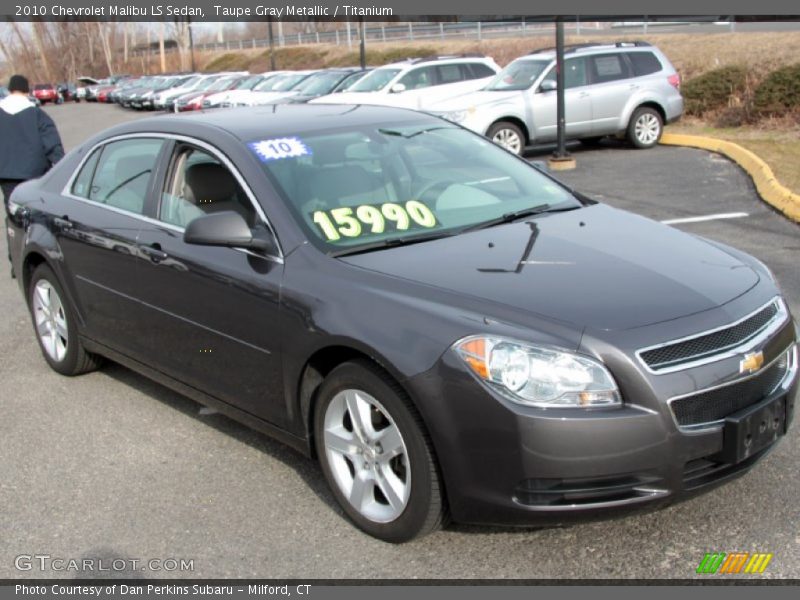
x: 769, y: 188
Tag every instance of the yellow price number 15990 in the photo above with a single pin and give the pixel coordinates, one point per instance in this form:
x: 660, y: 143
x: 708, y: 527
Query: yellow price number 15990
x: 361, y: 220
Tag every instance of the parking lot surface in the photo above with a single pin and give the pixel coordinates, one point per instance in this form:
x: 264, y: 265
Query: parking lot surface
x: 110, y: 465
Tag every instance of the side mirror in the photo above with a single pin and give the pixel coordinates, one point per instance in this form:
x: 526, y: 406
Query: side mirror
x: 398, y: 87
x: 548, y: 85
x: 226, y: 228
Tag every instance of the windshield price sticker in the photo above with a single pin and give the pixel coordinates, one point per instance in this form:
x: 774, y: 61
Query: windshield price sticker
x: 278, y: 148
x: 358, y: 221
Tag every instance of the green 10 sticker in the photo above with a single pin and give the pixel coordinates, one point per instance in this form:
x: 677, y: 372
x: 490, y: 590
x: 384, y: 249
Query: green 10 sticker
x: 356, y: 221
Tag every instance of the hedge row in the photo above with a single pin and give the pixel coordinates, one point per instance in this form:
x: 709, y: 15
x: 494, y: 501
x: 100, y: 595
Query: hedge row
x: 733, y: 95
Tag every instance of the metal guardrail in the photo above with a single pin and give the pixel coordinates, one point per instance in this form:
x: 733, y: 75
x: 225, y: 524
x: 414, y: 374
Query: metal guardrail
x: 409, y: 32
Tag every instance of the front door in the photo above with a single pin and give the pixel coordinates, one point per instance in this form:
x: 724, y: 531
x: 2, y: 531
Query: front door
x: 577, y: 104
x: 214, y: 312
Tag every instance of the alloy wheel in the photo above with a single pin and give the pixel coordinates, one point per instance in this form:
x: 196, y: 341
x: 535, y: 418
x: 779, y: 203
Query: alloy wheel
x: 508, y: 139
x: 647, y: 128
x: 367, y: 455
x: 51, y: 320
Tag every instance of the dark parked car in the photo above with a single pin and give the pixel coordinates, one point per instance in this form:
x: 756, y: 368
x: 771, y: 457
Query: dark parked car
x: 447, y: 329
x: 68, y: 92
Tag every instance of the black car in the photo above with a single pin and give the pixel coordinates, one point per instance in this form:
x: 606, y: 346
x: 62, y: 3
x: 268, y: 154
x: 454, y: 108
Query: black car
x: 447, y: 329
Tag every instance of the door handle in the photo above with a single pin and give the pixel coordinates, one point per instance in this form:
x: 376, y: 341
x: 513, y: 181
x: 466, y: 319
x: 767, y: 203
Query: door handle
x: 63, y: 223
x: 583, y: 95
x: 154, y: 252
x: 633, y: 86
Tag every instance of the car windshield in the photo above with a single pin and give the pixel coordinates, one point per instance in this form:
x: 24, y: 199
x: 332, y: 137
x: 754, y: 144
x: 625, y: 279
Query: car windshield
x: 519, y: 75
x: 220, y: 84
x: 374, y: 81
x: 42, y: 86
x: 319, y: 84
x: 205, y: 84
x: 353, y: 190
x: 269, y: 83
x: 248, y: 82
x: 191, y: 82
x: 345, y: 84
x: 288, y: 82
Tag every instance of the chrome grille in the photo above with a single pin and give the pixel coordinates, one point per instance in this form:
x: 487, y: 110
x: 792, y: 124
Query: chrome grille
x: 718, y: 403
x: 682, y: 353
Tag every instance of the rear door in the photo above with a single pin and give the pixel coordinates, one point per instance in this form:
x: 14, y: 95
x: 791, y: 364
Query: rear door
x: 213, y: 312
x: 611, y: 87
x: 97, y: 221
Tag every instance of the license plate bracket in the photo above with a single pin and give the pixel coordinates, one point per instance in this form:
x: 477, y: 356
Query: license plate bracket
x: 752, y: 429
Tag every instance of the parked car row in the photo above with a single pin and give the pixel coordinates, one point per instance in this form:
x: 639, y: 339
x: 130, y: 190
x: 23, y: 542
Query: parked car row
x: 625, y: 89
x: 413, y: 83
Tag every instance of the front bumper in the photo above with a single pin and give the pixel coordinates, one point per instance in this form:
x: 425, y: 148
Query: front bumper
x: 508, y: 464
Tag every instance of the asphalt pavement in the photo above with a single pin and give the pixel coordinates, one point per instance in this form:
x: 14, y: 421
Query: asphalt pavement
x: 110, y: 465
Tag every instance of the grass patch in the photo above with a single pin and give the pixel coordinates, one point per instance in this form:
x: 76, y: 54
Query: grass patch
x: 778, y: 144
x: 231, y: 61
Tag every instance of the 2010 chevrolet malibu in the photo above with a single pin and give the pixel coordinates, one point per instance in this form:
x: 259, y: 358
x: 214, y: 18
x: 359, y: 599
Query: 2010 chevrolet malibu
x: 450, y: 331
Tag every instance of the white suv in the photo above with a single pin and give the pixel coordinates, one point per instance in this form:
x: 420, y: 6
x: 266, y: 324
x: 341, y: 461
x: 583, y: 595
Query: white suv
x: 626, y: 89
x: 419, y: 82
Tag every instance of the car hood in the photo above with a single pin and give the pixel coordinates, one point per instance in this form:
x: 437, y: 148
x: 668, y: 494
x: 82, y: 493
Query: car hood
x: 597, y: 267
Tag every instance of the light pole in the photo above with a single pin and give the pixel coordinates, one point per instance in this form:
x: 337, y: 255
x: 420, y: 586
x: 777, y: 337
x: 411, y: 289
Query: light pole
x: 561, y: 159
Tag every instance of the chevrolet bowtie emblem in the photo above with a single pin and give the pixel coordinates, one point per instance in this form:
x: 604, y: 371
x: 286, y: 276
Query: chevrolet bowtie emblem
x: 751, y: 362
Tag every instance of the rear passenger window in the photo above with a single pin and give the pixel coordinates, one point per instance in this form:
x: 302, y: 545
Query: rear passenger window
x: 450, y: 73
x: 120, y: 174
x: 608, y: 67
x: 199, y: 184
x: 419, y: 78
x: 644, y: 63
x: 480, y: 70
x: 82, y: 183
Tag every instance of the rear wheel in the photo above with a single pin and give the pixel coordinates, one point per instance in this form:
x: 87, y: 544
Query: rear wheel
x: 508, y: 135
x: 55, y: 327
x: 376, y: 455
x: 645, y: 127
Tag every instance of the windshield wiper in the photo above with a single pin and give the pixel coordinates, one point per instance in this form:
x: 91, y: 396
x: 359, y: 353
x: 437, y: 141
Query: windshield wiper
x: 391, y: 243
x: 409, y: 135
x: 518, y: 214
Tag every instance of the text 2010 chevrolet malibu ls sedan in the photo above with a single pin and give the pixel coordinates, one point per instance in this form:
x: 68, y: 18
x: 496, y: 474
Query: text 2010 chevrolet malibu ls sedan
x: 447, y: 329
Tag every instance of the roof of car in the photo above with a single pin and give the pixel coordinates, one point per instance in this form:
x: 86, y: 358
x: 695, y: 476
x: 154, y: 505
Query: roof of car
x: 280, y: 120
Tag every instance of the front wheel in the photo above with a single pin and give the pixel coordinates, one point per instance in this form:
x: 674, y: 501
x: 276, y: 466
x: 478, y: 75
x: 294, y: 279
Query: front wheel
x: 645, y: 127
x: 508, y: 135
x: 376, y: 455
x: 55, y: 326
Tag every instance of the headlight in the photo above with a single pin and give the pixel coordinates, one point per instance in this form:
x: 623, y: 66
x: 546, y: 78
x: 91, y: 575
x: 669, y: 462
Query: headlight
x: 457, y: 116
x: 539, y: 376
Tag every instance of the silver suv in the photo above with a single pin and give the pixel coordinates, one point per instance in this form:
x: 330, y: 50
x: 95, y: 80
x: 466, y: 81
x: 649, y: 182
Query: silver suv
x: 627, y: 89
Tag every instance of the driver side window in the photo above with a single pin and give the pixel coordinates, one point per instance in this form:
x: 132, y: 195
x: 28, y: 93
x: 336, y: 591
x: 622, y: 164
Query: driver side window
x: 199, y: 184
x: 120, y: 176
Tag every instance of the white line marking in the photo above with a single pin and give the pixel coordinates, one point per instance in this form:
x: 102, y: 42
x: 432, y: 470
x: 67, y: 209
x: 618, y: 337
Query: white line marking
x: 738, y: 215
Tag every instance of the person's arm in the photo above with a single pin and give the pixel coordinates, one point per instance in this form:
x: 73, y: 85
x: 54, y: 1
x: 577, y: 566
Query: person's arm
x: 51, y: 141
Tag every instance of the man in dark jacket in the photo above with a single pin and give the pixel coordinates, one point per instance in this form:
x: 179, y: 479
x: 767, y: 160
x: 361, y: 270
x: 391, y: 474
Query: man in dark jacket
x: 29, y: 140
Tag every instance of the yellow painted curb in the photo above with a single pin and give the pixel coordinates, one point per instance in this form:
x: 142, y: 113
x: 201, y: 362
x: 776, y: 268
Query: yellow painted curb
x: 769, y: 188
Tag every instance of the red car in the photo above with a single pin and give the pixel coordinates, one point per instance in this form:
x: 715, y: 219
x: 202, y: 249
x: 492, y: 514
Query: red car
x: 103, y: 92
x: 45, y: 92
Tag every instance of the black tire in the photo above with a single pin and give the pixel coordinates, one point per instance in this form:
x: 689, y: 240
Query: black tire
x: 507, y: 135
x: 645, y: 127
x: 592, y: 141
x: 424, y: 510
x: 76, y: 359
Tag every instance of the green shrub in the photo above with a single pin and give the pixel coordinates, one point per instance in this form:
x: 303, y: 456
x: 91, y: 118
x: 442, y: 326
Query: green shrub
x: 714, y: 90
x: 779, y: 93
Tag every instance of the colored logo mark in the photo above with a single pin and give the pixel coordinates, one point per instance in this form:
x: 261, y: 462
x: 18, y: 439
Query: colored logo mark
x: 733, y: 563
